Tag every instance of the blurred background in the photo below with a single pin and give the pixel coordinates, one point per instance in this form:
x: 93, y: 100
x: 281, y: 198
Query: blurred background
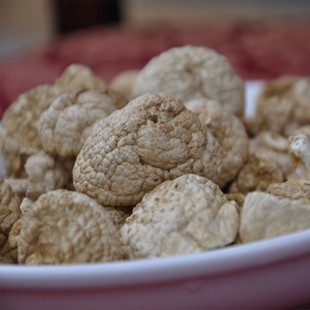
x: 28, y: 23
x: 40, y: 38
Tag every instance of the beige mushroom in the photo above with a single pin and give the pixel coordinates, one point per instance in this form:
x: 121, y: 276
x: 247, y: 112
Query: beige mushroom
x: 284, y: 104
x: 256, y: 174
x: 45, y: 173
x: 272, y: 147
x: 19, y: 134
x: 187, y: 215
x: 265, y: 216
x: 151, y: 140
x: 124, y: 82
x: 64, y: 127
x: 67, y: 227
x: 9, y: 214
x: 230, y: 133
x: 192, y: 72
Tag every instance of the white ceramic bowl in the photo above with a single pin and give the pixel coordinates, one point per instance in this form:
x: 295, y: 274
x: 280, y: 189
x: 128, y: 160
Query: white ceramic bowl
x: 261, y: 275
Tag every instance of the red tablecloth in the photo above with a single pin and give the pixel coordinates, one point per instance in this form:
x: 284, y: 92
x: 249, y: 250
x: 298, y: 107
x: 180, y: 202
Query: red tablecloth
x: 257, y: 50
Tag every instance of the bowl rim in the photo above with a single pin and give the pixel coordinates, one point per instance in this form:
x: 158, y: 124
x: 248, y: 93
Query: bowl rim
x: 145, y: 271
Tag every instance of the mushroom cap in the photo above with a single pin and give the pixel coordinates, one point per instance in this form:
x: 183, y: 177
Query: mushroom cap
x: 154, y: 138
x: 186, y: 215
x: 230, y: 133
x: 45, y: 173
x: 284, y: 104
x: 64, y: 127
x: 67, y: 227
x: 265, y: 216
x: 19, y: 136
x: 256, y: 174
x: 191, y: 72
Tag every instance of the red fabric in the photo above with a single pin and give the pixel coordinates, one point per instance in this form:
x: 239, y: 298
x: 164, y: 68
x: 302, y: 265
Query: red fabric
x: 257, y: 50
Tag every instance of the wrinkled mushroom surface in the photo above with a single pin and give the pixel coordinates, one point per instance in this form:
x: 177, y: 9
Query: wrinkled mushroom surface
x: 67, y: 227
x: 256, y: 174
x: 45, y: 173
x: 151, y: 140
x: 228, y: 131
x: 191, y: 72
x: 64, y: 127
x: 265, y: 216
x: 284, y: 104
x: 124, y: 82
x: 9, y: 210
x: 187, y: 215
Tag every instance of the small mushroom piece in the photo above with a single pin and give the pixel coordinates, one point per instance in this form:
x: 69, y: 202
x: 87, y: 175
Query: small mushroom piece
x: 229, y: 131
x: 124, y: 82
x: 256, y: 174
x: 45, y: 173
x: 272, y: 147
x: 67, y: 227
x: 292, y: 189
x: 64, y: 127
x: 192, y: 72
x: 9, y: 211
x: 152, y: 139
x: 265, y: 216
x: 187, y: 215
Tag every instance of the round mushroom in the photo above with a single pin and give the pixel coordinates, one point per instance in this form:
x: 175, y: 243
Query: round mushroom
x: 64, y: 127
x: 67, y: 227
x: 187, y: 215
x: 192, y: 72
x: 154, y: 138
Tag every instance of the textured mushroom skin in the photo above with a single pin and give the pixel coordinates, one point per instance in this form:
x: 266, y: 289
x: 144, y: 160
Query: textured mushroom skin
x: 67, y: 227
x: 284, y: 104
x: 124, y: 82
x: 45, y: 173
x: 229, y: 131
x: 9, y: 215
x: 256, y: 174
x: 153, y: 139
x: 64, y: 127
x: 265, y: 216
x: 19, y: 134
x: 191, y: 72
x: 186, y: 215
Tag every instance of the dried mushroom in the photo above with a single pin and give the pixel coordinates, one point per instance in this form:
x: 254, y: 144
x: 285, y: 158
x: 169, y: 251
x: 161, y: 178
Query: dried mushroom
x: 292, y: 189
x: 284, y: 104
x: 187, y: 215
x: 64, y: 127
x: 124, y: 82
x: 19, y: 134
x: 45, y: 173
x: 9, y: 214
x: 256, y: 174
x: 228, y: 131
x: 265, y: 216
x: 191, y: 72
x: 154, y: 138
x: 272, y: 147
x: 67, y: 227
x: 300, y: 149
